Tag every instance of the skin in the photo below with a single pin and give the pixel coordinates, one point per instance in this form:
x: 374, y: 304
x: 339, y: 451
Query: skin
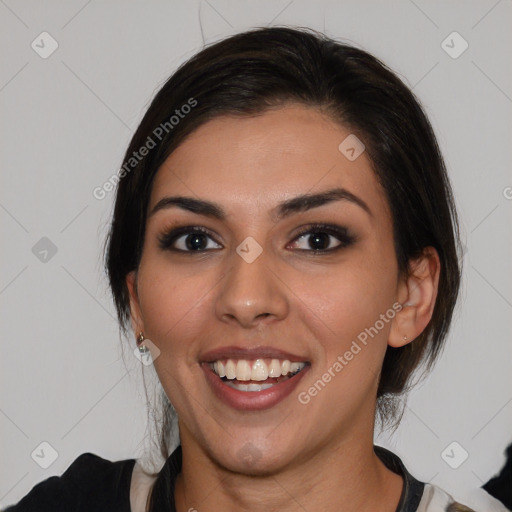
x: 305, y: 457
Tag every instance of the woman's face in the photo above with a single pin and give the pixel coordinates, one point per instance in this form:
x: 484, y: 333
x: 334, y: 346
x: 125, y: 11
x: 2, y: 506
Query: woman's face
x: 256, y: 287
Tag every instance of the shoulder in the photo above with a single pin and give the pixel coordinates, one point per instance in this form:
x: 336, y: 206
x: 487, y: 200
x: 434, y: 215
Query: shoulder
x: 424, y: 497
x: 141, y: 484
x: 435, y: 499
x: 90, y: 483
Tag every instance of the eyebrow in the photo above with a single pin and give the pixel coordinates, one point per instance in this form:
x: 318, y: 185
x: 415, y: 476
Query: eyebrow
x: 296, y: 204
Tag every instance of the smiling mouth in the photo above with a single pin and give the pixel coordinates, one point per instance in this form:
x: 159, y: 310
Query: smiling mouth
x: 255, y: 375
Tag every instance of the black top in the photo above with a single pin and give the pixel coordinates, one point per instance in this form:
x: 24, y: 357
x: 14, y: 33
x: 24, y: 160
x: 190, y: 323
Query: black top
x: 90, y: 483
x: 93, y: 484
x: 500, y: 486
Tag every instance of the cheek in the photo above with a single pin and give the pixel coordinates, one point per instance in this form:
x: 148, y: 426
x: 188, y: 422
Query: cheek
x: 172, y: 299
x: 349, y: 297
x: 354, y: 305
x: 175, y: 305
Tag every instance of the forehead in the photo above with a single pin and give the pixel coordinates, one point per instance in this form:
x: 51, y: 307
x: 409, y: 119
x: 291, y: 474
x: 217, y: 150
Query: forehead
x: 252, y: 163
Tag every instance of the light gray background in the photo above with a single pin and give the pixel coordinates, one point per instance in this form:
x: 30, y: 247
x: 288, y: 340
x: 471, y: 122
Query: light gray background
x: 65, y: 123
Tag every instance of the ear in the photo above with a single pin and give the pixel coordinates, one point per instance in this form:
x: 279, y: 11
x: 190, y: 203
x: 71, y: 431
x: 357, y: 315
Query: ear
x: 135, y: 311
x: 417, y: 293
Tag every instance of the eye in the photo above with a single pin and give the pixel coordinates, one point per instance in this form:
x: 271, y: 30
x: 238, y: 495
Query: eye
x: 187, y: 239
x: 318, y: 238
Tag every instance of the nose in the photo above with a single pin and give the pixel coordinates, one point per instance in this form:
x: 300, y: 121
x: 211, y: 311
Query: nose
x: 251, y: 293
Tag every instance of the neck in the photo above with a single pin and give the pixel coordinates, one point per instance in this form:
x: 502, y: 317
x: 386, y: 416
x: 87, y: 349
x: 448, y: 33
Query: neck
x: 344, y: 472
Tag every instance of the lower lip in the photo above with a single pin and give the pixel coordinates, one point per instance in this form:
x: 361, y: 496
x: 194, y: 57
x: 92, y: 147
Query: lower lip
x: 252, y: 400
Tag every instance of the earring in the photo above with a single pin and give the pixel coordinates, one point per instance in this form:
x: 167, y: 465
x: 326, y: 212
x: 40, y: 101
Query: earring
x: 142, y: 348
x: 405, y: 338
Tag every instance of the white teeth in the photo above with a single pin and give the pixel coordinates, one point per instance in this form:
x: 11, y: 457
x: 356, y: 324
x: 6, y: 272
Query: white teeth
x: 219, y: 369
x: 230, y: 369
x: 243, y: 370
x: 249, y: 387
x: 259, y: 370
x: 274, y: 369
x: 295, y: 367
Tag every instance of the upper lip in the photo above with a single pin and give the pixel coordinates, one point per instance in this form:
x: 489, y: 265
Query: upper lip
x: 233, y: 352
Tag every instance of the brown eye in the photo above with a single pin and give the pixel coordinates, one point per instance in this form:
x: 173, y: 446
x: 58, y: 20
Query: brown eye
x: 322, y: 238
x: 187, y: 239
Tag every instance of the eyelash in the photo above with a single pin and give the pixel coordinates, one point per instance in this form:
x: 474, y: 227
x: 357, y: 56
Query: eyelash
x: 168, y: 238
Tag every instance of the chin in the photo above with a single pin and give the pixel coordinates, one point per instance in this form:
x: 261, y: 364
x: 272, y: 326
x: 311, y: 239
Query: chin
x: 248, y: 458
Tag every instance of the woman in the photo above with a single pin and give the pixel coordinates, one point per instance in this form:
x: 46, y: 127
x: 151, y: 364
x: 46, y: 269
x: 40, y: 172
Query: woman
x: 284, y: 245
